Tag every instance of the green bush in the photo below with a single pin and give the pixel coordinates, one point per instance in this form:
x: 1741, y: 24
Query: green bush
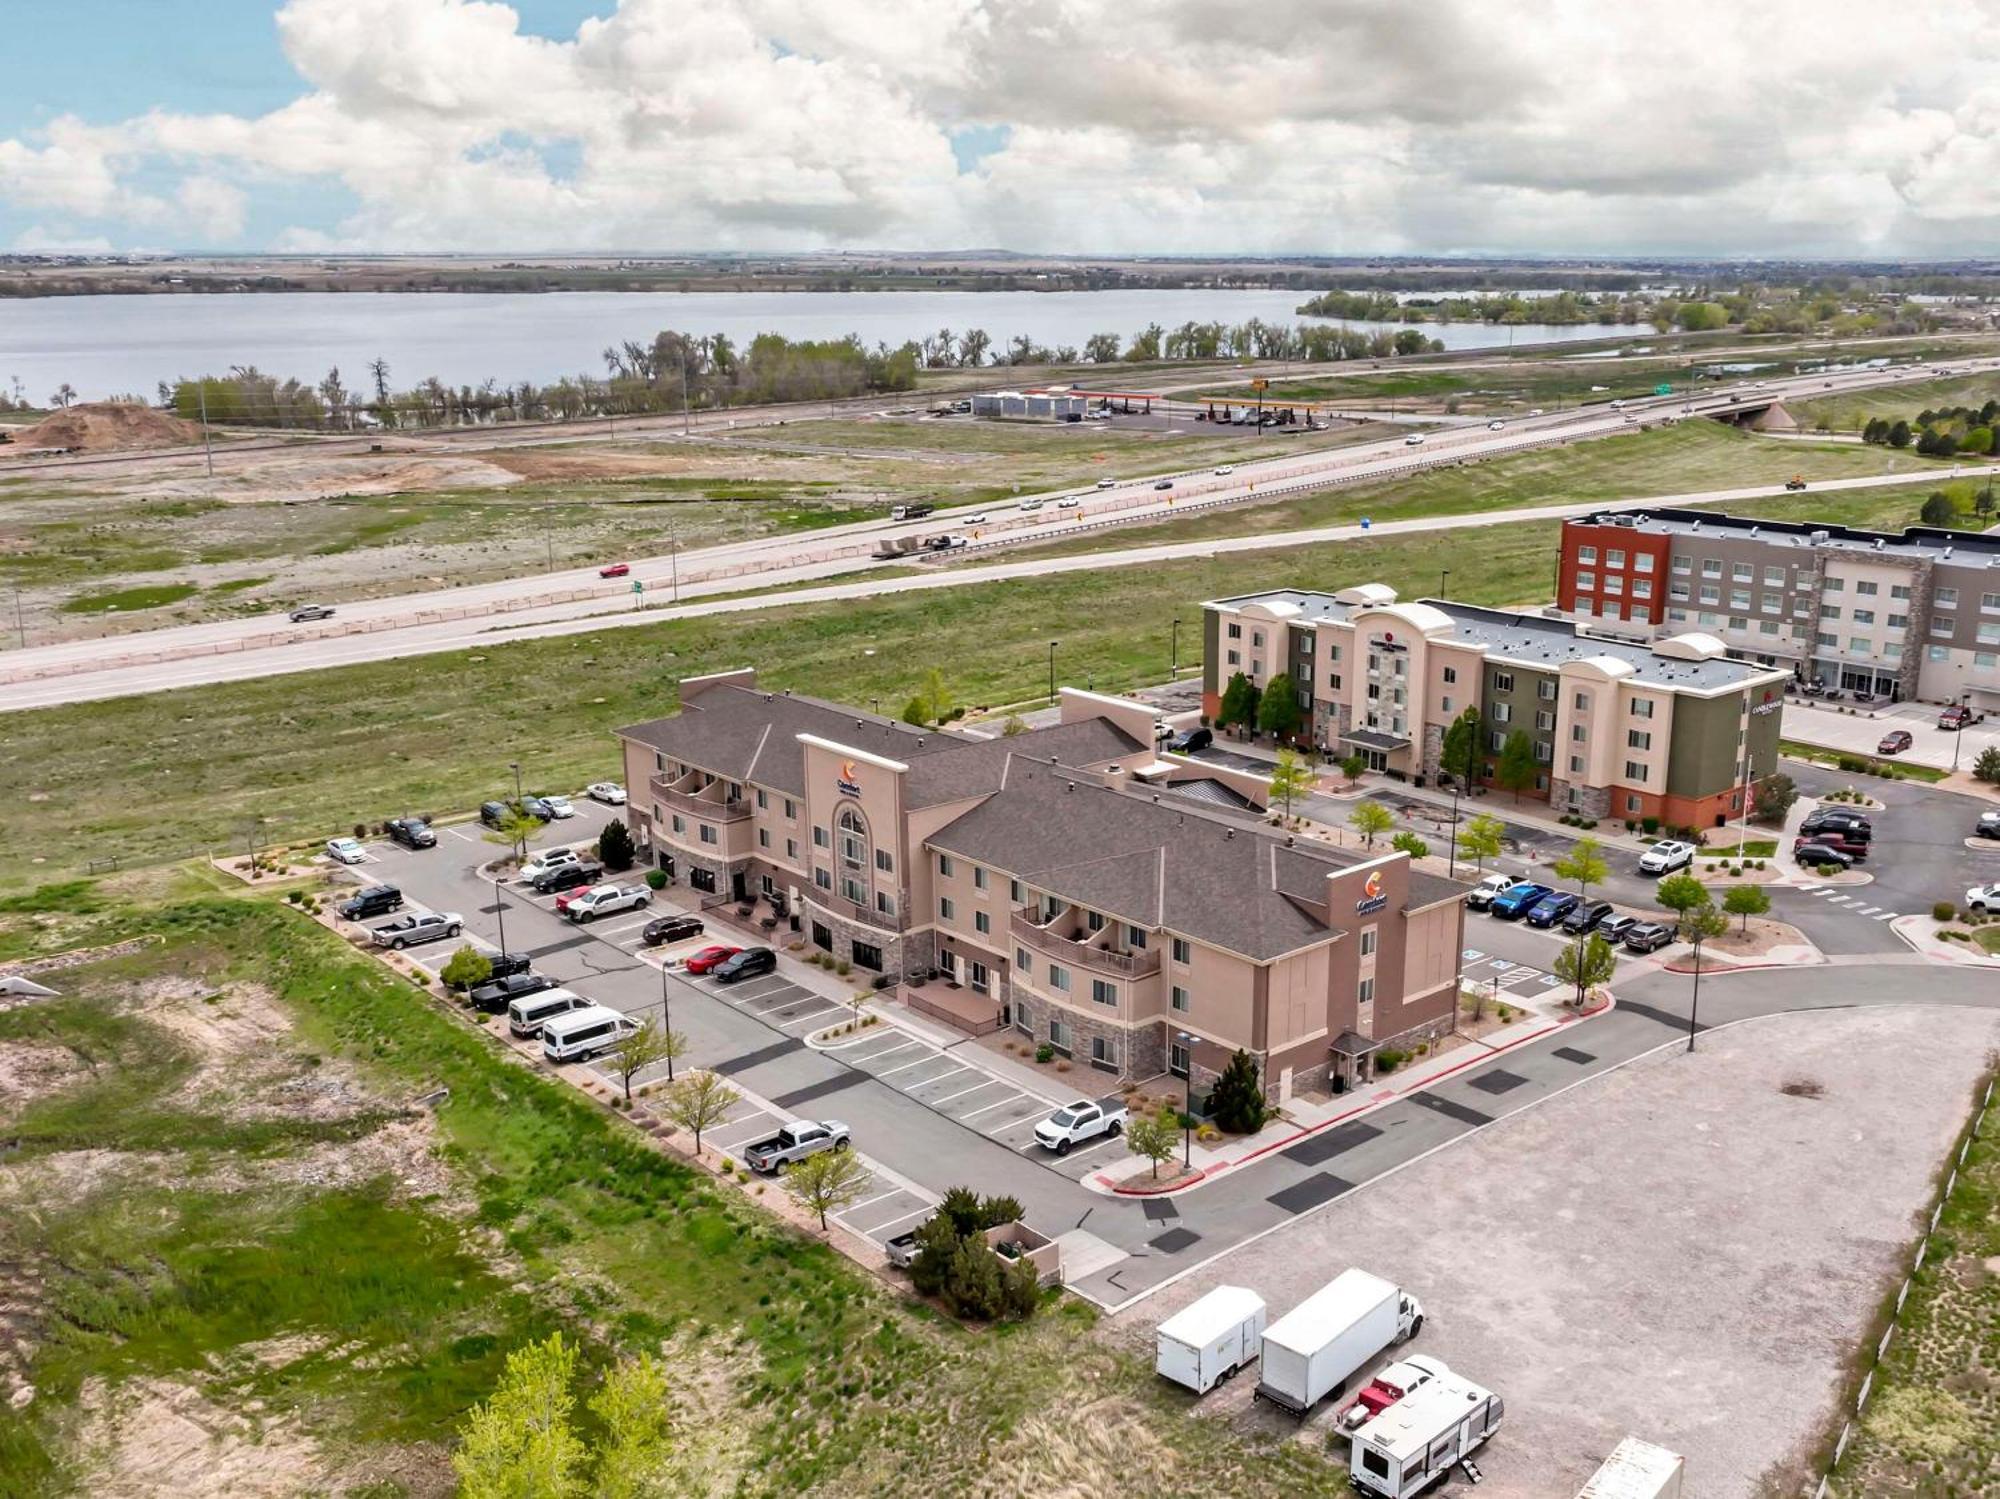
x: 656, y: 879
x: 1236, y: 1103
x: 1944, y: 910
x: 1650, y: 824
x: 1390, y: 1060
x: 1045, y: 1053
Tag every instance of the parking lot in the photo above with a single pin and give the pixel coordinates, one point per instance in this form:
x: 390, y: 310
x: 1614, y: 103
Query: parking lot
x: 1859, y: 733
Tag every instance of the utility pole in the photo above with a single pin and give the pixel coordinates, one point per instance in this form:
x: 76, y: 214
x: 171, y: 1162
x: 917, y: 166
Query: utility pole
x: 207, y: 452
x: 500, y: 912
x: 687, y: 418
x: 1052, y: 669
x: 666, y: 1017
x: 1187, y: 1109
x: 21, y: 629
x: 1174, y: 654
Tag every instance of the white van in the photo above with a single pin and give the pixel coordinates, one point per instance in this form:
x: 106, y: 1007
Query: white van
x: 582, y: 1034
x: 527, y: 1015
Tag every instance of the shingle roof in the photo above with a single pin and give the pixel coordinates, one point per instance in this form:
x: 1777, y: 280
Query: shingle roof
x: 744, y: 734
x: 1193, y: 870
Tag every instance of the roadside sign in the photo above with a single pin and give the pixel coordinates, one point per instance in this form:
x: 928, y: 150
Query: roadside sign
x: 1260, y: 384
x: 638, y: 586
x: 1663, y: 390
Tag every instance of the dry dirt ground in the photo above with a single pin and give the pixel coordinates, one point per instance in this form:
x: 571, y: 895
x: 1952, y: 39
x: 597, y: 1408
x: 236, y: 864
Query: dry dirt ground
x: 1682, y: 1251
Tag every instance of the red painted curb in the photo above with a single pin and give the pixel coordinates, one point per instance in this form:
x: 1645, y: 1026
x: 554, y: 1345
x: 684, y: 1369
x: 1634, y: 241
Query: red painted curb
x: 1148, y: 1189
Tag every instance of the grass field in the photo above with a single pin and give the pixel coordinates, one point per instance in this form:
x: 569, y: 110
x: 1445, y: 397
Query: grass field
x: 302, y: 756
x: 1850, y: 411
x: 1692, y: 457
x: 221, y: 1207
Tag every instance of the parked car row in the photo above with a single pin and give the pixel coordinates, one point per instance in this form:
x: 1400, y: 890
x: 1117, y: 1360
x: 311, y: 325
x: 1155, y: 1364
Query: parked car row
x: 1832, y: 839
x: 1509, y: 899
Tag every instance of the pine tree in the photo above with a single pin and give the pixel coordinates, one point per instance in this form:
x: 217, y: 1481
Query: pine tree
x: 1236, y: 1102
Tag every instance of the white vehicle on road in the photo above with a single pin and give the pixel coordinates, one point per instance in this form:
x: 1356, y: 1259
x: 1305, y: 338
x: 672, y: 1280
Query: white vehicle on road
x: 1413, y: 439
x: 1665, y: 857
x: 559, y: 807
x: 345, y: 850
x: 1536, y: 412
x: 1226, y: 468
x: 1107, y: 483
x: 1074, y: 1123
x: 1069, y: 503
x: 603, y: 900
x: 1985, y: 899
x: 975, y: 520
x: 1495, y: 426
x: 548, y: 861
x: 609, y: 792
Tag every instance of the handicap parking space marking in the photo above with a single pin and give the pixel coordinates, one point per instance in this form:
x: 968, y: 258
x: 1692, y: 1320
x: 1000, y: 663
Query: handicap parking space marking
x: 1472, y: 955
x: 1549, y: 981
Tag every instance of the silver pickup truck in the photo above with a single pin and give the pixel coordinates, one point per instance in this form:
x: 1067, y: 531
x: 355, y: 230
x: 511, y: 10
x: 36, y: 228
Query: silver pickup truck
x: 794, y: 1142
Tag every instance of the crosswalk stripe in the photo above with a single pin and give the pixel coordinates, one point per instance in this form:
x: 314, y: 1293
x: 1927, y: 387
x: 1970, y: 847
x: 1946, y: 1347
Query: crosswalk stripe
x: 1886, y: 916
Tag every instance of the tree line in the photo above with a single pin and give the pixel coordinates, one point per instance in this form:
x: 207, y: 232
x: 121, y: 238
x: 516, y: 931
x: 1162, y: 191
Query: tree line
x: 1938, y: 433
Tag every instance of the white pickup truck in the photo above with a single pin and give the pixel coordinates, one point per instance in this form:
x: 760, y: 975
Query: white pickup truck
x: 1074, y: 1123
x: 794, y: 1142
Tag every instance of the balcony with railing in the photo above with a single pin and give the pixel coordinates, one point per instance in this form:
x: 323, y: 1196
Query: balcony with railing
x: 854, y: 910
x: 712, y: 801
x: 1064, y: 938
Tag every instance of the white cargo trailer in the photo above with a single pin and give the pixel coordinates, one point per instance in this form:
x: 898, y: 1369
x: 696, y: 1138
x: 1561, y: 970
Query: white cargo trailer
x: 1205, y: 1343
x: 1636, y: 1470
x: 1418, y: 1441
x: 1316, y: 1347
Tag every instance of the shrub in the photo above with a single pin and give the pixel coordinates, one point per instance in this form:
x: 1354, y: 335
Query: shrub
x: 1237, y: 1103
x: 1944, y: 910
x: 1390, y: 1060
x: 842, y: 967
x: 1589, y: 823
x: 1045, y: 1053
x: 615, y: 849
x: 1650, y: 824
x: 656, y: 879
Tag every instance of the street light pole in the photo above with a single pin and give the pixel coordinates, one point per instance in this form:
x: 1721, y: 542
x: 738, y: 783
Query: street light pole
x: 1694, y: 1005
x: 1443, y: 573
x: 1052, y: 669
x: 666, y: 1016
x: 1187, y: 1104
x: 1173, y: 655
x: 515, y: 766
x: 500, y: 913
x: 1957, y: 739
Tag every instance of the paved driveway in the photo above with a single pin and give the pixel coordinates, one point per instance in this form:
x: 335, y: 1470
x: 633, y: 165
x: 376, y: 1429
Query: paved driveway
x: 1860, y: 732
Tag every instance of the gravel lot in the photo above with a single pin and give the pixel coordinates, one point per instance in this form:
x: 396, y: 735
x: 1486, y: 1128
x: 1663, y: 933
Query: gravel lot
x: 1682, y: 1251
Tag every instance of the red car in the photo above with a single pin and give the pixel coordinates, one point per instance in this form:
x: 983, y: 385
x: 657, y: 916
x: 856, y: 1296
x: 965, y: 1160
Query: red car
x: 616, y: 570
x: 709, y: 957
x: 1894, y: 744
x: 563, y: 900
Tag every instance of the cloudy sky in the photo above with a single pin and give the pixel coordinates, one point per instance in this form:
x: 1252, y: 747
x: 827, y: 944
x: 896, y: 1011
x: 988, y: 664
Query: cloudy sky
x: 1819, y: 127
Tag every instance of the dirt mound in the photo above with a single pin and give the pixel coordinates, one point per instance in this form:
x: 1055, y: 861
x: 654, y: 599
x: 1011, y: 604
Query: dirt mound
x: 108, y: 427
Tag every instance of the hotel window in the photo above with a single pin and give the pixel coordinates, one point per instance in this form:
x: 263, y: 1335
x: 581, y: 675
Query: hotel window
x: 1614, y: 584
x: 708, y: 832
x: 1638, y: 739
x: 1058, y: 978
x: 791, y: 808
x: 1577, y: 733
x: 1642, y: 707
x: 1899, y: 590
x: 1940, y: 653
x: 1711, y: 593
x: 944, y: 865
x: 1546, y: 689
x: 1179, y: 999
x: 1864, y: 586
x: 1024, y: 962
x: 1544, y: 752
x: 1094, y: 920
x: 855, y: 891
x: 1739, y: 598
x: 1827, y: 638
x: 1503, y: 681
x: 1943, y: 627
x: 1634, y: 771
x: 1365, y: 992
x: 1367, y: 940
x: 1103, y: 992
x: 1544, y: 721
x: 1678, y: 592
x: 1581, y: 702
x: 1945, y: 598
x: 1586, y: 581
x: 1767, y: 627
x: 1774, y: 577
x: 1257, y: 638
x: 1444, y: 705
x: 946, y: 910
x: 1835, y: 585
x: 981, y: 922
x: 1333, y: 652
x: 763, y: 837
x: 1633, y: 804
x: 1014, y: 892
x: 1984, y: 660
x: 1829, y: 611
x: 1707, y: 617
x: 1864, y: 616
x: 1503, y: 712
x: 1135, y: 936
x: 1741, y: 572
x: 792, y: 849
x: 1711, y: 567
x: 1987, y: 634
x: 1614, y: 557
x: 763, y: 802
x: 1738, y: 624
x: 1059, y: 1036
x: 1642, y: 562
x: 1177, y: 1059
x: 1494, y: 740
x: 1450, y: 675
x: 1642, y: 589
x: 819, y: 837
x: 883, y: 861
x: 1892, y: 652
x: 1860, y: 645
x: 1235, y: 632
x: 1683, y: 563
x: 680, y: 823
x: 1183, y: 950
x: 1102, y: 1052
x: 1586, y: 554
x: 1989, y: 603
x: 1576, y: 765
x: 979, y: 877
x: 1899, y: 621
x: 1234, y: 659
x: 1771, y: 603
x: 822, y: 877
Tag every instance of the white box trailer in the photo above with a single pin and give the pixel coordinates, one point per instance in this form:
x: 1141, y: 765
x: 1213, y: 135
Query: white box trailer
x: 1418, y: 1441
x: 1206, y: 1342
x: 1636, y: 1470
x: 1316, y: 1347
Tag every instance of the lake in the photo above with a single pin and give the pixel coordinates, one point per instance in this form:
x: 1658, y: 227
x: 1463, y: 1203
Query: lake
x: 126, y: 345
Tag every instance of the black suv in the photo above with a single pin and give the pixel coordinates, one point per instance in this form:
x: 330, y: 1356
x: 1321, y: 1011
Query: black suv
x: 1585, y: 917
x: 747, y: 964
x: 506, y: 964
x: 1193, y: 740
x: 1822, y: 856
x: 374, y: 900
x: 568, y: 877
x: 411, y: 832
x: 493, y: 813
x: 493, y: 996
x: 1851, y: 826
x: 670, y: 929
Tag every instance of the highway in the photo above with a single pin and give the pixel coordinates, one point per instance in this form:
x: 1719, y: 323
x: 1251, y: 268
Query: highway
x: 579, y: 599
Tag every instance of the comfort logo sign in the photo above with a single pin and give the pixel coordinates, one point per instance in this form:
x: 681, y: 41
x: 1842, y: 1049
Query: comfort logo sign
x: 1373, y: 895
x: 847, y: 780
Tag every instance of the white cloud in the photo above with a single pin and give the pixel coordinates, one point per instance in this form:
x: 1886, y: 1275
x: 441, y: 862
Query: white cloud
x: 1815, y: 126
x: 39, y: 239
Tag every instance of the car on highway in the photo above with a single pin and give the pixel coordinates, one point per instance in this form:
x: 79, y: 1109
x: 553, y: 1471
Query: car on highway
x: 676, y: 928
x: 1614, y: 927
x: 346, y: 850
x: 1895, y: 742
x: 371, y: 900
x: 615, y: 570
x: 493, y: 996
x: 417, y: 927
x: 548, y: 860
x: 306, y: 612
x: 1101, y: 484
x: 1988, y: 825
x: 1647, y: 936
x: 747, y: 964
x: 1854, y: 848
x: 1666, y: 856
x: 1413, y: 439
x: 710, y: 957
x: 1193, y: 741
x: 411, y: 832
x: 566, y: 877
x: 1823, y: 857
x: 1225, y: 468
x: 609, y: 792
x: 1517, y: 900
x: 1164, y: 484
x: 1068, y: 502
x: 1536, y: 412
x: 559, y: 807
x: 1985, y: 899
x: 973, y: 520
x: 602, y: 900
x: 1495, y: 426
x: 1482, y: 894
x: 1550, y: 909
x: 1585, y: 916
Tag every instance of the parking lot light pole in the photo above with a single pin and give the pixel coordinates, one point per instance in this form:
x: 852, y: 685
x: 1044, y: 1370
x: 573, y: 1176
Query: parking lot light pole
x: 666, y: 1015
x: 515, y: 766
x: 1174, y: 654
x: 1958, y: 738
x: 1052, y: 669
x: 500, y: 913
x: 1187, y: 1102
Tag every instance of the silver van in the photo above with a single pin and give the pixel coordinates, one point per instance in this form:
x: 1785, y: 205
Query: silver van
x: 526, y: 1015
x: 582, y: 1034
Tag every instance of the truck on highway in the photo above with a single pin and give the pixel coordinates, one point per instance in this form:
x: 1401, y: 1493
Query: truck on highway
x: 1316, y: 1347
x: 794, y: 1142
x: 1204, y: 1343
x: 1074, y: 1123
x: 912, y: 512
x: 892, y: 547
x: 1416, y: 1442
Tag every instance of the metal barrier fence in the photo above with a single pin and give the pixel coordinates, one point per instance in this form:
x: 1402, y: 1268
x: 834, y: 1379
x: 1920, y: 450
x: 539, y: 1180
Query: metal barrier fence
x: 1867, y: 1387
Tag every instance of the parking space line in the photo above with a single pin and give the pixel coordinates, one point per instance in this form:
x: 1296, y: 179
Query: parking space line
x: 813, y: 1018
x: 878, y: 1197
x: 989, y: 1083
x: 956, y: 1069
x: 989, y: 1108
x: 885, y: 1227
x: 920, y: 1061
x: 876, y: 1056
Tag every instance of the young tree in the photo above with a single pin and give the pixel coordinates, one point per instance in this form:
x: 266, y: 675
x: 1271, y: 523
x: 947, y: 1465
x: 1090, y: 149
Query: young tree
x: 1239, y: 702
x: 917, y: 711
x: 1516, y: 769
x: 1154, y: 1136
x: 1410, y: 844
x: 1351, y: 768
x: 973, y: 1286
x: 1681, y: 893
x: 1236, y: 1103
x: 1987, y: 767
x: 517, y: 826
x: 1370, y: 819
x: 1746, y: 901
x: 1698, y: 925
x: 467, y: 968
x: 1899, y: 435
x: 520, y: 1441
x: 1583, y: 864
x: 1773, y: 797
x: 615, y: 849
x: 1586, y: 963
x: 698, y: 1101
x: 635, y: 1409
x: 1278, y: 709
x: 1458, y: 756
x: 1291, y: 779
x: 1015, y: 724
x: 645, y: 1046
x: 1481, y: 839
x: 937, y: 696
x: 1938, y: 509
x: 827, y: 1182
